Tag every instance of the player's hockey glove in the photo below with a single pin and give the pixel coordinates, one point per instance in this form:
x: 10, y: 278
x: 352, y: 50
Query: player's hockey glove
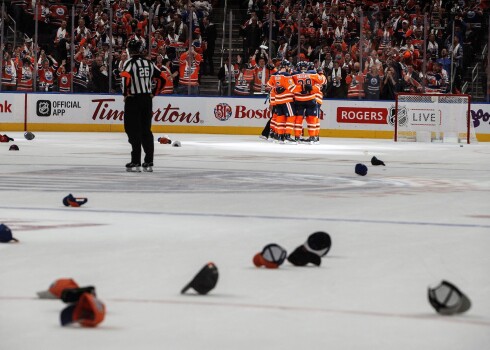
x: 308, y: 88
x: 280, y: 90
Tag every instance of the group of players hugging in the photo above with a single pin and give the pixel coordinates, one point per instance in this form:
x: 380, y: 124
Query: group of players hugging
x: 296, y: 94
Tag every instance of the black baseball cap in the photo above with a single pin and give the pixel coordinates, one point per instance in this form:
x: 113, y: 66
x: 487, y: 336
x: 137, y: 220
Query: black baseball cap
x: 447, y: 299
x: 316, y: 246
x: 204, y: 281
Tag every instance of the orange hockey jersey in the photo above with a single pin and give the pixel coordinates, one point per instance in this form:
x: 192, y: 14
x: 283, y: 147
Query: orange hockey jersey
x: 189, y: 73
x: 303, y: 79
x: 285, y: 81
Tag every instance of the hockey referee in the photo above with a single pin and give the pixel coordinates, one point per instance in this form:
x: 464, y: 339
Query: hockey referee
x: 137, y: 76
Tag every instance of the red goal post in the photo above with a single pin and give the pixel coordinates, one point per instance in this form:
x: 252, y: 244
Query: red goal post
x: 433, y: 117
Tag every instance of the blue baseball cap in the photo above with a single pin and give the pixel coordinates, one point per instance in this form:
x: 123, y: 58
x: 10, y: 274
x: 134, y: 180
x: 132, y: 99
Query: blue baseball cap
x: 6, y: 234
x: 361, y: 169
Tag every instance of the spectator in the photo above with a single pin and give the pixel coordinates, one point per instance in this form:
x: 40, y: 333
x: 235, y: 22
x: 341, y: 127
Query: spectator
x: 245, y: 77
x: 169, y: 77
x: 61, y: 43
x: 432, y: 47
x: 411, y: 80
x: 189, y: 72
x: 82, y: 32
x: 251, y: 32
x: 456, y: 51
x: 390, y: 84
x: 46, y: 72
x: 99, y: 75
x: 445, y: 60
x: 25, y: 74
x: 337, y: 84
x: 9, y: 74
x: 64, y: 78
x: 227, y: 75
x: 81, y: 76
x: 373, y: 84
x: 208, y: 33
x: 180, y: 28
x: 262, y: 73
x: 356, y: 82
x: 137, y: 9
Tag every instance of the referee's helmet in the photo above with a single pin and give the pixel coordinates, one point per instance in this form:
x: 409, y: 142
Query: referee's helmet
x: 134, y: 47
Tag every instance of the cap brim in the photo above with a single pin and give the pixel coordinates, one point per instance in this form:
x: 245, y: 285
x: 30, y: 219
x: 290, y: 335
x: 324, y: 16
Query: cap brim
x: 465, y: 304
x: 46, y: 295
x: 260, y: 261
x: 66, y: 316
x: 186, y: 288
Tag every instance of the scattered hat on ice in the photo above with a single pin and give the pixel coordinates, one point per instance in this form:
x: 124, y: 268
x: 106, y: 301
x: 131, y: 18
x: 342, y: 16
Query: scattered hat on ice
x: 361, y: 169
x: 176, y: 144
x: 204, y: 281
x: 88, y: 311
x: 164, y: 140
x: 57, y: 287
x: 316, y: 246
x: 13, y: 148
x: 70, y: 201
x: 447, y: 299
x: 29, y: 135
x: 376, y: 161
x: 5, y: 138
x: 272, y: 256
x: 6, y: 234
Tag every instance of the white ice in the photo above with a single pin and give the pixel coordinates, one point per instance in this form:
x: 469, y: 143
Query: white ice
x: 141, y: 237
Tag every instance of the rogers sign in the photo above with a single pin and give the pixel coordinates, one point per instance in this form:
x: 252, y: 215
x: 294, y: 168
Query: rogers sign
x: 362, y: 115
x: 105, y: 110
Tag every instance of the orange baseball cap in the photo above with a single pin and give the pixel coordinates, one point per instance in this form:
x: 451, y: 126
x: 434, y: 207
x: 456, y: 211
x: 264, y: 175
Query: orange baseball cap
x: 88, y: 312
x: 57, y: 287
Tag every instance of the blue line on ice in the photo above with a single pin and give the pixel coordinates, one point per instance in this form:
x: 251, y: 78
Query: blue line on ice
x: 263, y: 217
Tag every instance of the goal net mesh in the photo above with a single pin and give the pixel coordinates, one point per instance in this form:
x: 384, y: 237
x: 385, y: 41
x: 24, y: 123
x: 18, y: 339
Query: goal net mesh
x: 433, y: 118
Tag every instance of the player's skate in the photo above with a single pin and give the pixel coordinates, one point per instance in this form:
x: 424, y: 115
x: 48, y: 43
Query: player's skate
x: 133, y: 167
x: 309, y: 141
x: 317, y: 140
x: 148, y: 167
x: 289, y: 140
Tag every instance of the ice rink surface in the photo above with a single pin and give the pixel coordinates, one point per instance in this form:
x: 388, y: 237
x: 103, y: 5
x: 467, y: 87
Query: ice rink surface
x: 142, y: 236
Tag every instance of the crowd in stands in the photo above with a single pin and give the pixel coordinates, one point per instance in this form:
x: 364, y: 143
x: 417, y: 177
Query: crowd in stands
x: 181, y: 49
x: 366, y: 48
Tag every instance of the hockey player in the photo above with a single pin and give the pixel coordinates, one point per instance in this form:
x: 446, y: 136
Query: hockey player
x: 305, y: 102
x: 282, y: 86
x: 269, y: 132
x: 318, y: 89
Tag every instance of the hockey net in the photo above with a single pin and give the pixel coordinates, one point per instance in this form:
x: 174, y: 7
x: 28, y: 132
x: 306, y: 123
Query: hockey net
x: 433, y: 118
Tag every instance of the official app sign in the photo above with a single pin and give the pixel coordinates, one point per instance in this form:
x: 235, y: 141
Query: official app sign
x: 43, y: 108
x: 47, y: 108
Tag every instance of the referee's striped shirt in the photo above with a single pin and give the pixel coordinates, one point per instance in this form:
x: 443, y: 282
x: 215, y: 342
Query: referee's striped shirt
x: 137, y: 75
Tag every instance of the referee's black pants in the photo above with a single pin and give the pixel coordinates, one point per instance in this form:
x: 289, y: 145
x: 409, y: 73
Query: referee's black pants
x: 137, y: 124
